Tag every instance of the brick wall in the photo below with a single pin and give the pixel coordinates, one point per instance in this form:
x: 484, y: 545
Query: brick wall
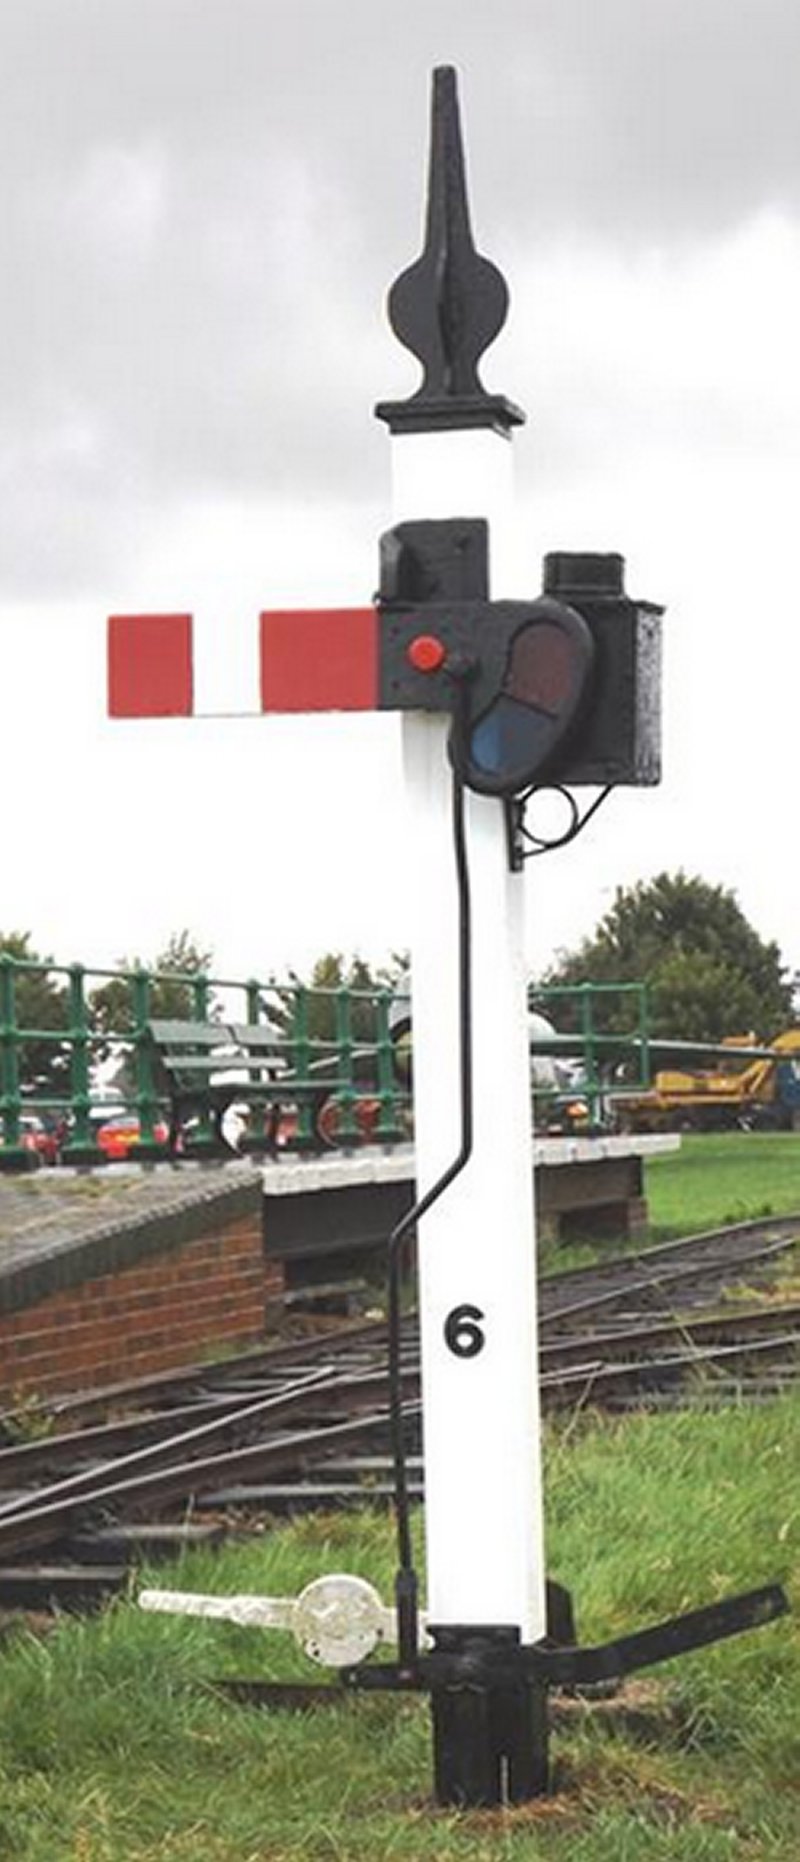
x: 204, y: 1294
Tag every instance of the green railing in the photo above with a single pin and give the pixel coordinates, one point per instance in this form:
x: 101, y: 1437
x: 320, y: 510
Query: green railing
x: 89, y: 1058
x: 334, y: 1045
x: 600, y: 1053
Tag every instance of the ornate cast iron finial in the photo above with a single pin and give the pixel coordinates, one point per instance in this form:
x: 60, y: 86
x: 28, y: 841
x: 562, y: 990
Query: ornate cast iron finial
x: 450, y: 304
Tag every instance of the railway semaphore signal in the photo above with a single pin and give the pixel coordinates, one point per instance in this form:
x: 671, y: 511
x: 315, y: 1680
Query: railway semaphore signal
x: 502, y: 692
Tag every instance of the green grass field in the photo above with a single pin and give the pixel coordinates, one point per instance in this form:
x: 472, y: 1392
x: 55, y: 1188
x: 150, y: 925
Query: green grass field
x: 114, y: 1748
x: 727, y: 1177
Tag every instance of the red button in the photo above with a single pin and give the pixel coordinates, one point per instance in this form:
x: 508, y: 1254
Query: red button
x: 426, y: 653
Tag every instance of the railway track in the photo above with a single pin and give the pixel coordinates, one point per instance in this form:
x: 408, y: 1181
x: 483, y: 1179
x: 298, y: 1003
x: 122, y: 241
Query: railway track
x: 305, y: 1423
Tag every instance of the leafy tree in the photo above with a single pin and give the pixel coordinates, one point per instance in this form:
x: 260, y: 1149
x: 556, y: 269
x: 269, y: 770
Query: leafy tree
x: 40, y: 1002
x: 329, y: 974
x: 170, y: 996
x: 708, y: 972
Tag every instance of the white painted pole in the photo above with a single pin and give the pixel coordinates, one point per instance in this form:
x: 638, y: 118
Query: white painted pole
x: 476, y: 1247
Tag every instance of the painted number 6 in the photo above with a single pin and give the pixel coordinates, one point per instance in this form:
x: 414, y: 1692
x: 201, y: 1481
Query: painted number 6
x: 462, y: 1333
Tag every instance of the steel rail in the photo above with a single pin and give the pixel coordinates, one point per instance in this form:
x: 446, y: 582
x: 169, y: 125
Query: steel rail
x: 670, y: 1276
x: 46, y: 1522
x: 187, y: 1377
x: 724, y: 1328
x: 18, y: 1463
x: 48, y: 1518
x: 21, y: 1459
x: 561, y: 1374
x: 89, y: 1485
x: 244, y: 1413
x: 351, y: 1375
x: 731, y: 1232
x: 560, y: 1383
x: 619, y: 1270
x: 734, y: 1245
x: 25, y: 1458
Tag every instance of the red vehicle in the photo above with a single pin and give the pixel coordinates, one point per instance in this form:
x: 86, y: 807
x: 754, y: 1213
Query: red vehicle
x: 118, y: 1135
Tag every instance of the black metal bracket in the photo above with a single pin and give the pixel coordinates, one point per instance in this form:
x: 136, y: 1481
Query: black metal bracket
x: 523, y: 843
x: 494, y: 1656
x: 489, y: 1691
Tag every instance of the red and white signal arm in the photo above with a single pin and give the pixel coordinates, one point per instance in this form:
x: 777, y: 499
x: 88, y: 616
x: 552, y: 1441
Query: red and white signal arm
x: 309, y: 659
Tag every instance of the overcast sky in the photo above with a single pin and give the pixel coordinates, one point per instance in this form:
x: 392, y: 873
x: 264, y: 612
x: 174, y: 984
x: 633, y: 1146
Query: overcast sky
x: 203, y: 203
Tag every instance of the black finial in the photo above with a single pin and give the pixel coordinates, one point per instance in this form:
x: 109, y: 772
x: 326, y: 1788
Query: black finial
x: 450, y: 304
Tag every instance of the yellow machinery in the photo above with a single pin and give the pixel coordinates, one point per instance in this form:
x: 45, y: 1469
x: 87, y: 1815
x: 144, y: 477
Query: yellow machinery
x: 748, y: 1085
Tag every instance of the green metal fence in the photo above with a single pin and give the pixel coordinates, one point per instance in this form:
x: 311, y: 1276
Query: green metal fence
x: 601, y: 1051
x: 88, y: 1059
x: 85, y: 1069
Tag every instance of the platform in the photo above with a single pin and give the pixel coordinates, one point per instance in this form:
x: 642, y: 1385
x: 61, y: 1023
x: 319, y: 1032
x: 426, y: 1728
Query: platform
x: 130, y: 1269
x: 125, y: 1272
x: 329, y: 1206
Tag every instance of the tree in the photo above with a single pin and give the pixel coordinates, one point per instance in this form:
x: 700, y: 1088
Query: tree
x: 329, y: 974
x: 708, y: 972
x: 40, y: 1002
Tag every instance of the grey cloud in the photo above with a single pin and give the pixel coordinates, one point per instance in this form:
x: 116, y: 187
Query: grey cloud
x: 202, y: 205
x: 674, y: 109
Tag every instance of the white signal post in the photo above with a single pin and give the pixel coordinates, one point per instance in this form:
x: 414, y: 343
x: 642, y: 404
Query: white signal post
x: 477, y: 1246
x: 452, y: 475
x: 515, y: 674
x: 452, y: 459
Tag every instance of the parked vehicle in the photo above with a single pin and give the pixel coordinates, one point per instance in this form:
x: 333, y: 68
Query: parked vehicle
x: 119, y: 1134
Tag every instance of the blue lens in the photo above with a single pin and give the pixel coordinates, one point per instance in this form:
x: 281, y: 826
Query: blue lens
x: 510, y: 737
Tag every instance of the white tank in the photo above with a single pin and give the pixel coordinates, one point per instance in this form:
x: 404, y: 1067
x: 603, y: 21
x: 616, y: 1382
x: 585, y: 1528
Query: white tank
x: 545, y: 1070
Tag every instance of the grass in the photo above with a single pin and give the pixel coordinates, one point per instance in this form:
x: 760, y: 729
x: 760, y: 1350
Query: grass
x: 721, y: 1178
x: 714, y: 1179
x: 114, y: 1749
